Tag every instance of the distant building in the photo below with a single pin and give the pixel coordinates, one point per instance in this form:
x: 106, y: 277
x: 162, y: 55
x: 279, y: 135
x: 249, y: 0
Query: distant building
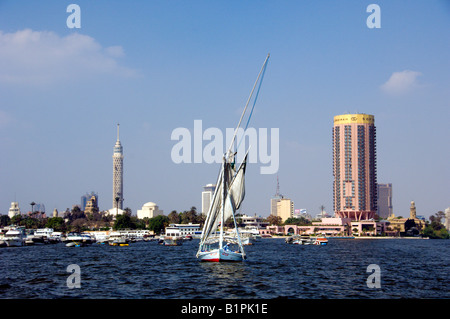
x: 92, y: 205
x: 14, y: 210
x: 273, y: 205
x: 149, y: 210
x: 274, y: 200
x: 447, y: 219
x: 397, y: 225
x: 85, y: 198
x: 255, y: 221
x: 207, y: 196
x: 322, y: 214
x: 302, y: 213
x: 55, y: 213
x: 285, y: 209
x: 115, y: 212
x: 354, y: 166
x: 181, y: 230
x: 384, y: 203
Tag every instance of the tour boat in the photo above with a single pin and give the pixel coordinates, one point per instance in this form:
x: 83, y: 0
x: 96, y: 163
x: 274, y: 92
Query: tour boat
x: 14, y: 237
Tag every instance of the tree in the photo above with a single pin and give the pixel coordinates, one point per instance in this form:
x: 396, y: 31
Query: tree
x: 297, y: 221
x: 123, y: 222
x: 435, y: 229
x: 274, y: 220
x: 4, y: 220
x: 174, y: 217
x: 16, y: 219
x: 158, y: 223
x: 128, y: 211
x: 57, y: 223
x: 78, y: 224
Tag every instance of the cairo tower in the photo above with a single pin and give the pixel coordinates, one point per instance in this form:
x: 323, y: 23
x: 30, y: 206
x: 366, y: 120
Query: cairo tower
x: 118, y: 174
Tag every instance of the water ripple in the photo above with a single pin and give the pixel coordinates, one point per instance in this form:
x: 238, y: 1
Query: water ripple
x: 409, y: 269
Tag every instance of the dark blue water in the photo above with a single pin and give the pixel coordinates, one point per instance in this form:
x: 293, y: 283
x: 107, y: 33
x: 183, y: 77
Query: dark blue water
x: 408, y: 269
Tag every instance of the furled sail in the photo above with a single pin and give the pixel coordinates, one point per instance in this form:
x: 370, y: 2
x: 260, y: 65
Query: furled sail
x: 236, y: 192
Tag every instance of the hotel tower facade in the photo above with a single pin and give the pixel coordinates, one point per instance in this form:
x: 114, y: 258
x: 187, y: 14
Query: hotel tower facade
x: 354, y: 166
x: 118, y: 174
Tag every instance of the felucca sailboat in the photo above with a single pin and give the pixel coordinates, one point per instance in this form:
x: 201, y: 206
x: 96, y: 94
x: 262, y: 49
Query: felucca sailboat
x: 230, y: 192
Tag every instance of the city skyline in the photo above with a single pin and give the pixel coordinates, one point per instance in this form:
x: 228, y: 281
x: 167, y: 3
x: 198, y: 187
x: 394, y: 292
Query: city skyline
x: 154, y: 67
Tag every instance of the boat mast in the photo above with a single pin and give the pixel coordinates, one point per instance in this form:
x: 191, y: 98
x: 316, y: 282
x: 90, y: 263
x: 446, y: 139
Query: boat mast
x: 222, y: 211
x: 246, y: 105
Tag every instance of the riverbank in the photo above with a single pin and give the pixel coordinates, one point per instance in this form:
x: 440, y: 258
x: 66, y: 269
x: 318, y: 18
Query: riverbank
x: 360, y: 237
x: 386, y: 237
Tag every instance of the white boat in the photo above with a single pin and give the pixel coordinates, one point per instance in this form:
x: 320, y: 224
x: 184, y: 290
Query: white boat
x: 118, y: 239
x: 307, y: 240
x: 78, y: 239
x: 228, y: 196
x: 42, y: 236
x: 14, y: 237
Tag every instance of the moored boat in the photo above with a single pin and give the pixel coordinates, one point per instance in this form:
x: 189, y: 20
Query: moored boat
x: 172, y: 241
x: 75, y: 239
x: 14, y: 237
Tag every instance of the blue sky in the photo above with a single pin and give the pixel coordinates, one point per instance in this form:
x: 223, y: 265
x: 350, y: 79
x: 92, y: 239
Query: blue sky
x: 155, y: 66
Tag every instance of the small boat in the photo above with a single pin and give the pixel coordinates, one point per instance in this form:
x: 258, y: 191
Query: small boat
x: 118, y: 241
x: 74, y: 244
x: 14, y: 237
x: 172, y: 241
x: 303, y: 240
x: 320, y: 240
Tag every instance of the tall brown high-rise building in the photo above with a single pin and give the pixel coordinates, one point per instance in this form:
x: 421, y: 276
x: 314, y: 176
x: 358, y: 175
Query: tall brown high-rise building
x: 354, y: 166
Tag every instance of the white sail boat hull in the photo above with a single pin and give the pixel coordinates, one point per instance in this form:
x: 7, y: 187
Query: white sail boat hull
x: 218, y: 255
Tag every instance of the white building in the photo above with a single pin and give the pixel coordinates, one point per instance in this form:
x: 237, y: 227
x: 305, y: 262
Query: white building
x: 14, y: 210
x: 149, y: 210
x: 207, y: 195
x: 115, y: 212
x: 181, y: 230
x: 255, y: 221
x: 447, y: 218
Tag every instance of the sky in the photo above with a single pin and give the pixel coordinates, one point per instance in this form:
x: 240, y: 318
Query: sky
x: 156, y: 66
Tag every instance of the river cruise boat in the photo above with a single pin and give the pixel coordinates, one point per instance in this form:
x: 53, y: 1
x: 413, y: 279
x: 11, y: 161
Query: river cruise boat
x: 14, y: 237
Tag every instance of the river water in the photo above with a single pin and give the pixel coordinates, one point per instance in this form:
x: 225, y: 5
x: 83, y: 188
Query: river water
x: 408, y: 268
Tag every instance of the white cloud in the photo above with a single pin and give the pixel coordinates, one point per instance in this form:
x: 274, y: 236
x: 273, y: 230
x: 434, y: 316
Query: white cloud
x: 39, y: 57
x: 401, y: 82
